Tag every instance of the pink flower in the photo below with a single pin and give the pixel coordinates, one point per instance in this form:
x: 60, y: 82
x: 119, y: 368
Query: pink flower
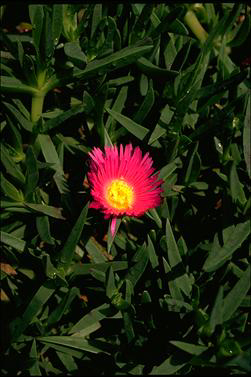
x: 122, y: 181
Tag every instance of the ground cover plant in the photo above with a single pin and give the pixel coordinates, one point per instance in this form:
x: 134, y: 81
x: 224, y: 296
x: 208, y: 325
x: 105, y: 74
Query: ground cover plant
x: 164, y: 293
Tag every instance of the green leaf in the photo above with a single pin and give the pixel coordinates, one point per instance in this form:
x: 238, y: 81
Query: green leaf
x: 153, y: 214
x: 43, y: 228
x: 177, y: 27
x: 189, y: 81
x: 177, y: 305
x: 221, y: 86
x: 141, y: 22
x: 86, y: 268
x: 96, y: 18
x: 168, y: 169
x: 169, y: 23
x: 134, y: 128
x: 58, y: 312
x: 36, y: 13
x: 107, y: 141
x: 47, y: 42
x: 7, y: 42
x: 57, y: 22
x: 152, y: 253
x: 128, y: 325
x: 193, y: 349
x: 10, y: 190
x: 29, y: 70
x: 34, y: 369
x: 234, y: 298
x: 16, y: 137
x: 242, y: 33
x: 117, y: 106
x: 180, y: 276
x: 71, y: 342
x: 99, y: 110
x: 233, y: 237
x: 47, y: 210
x: 67, y: 252
x: 168, y: 367
x: 241, y: 361
x: 146, y: 105
x: 12, y: 241
x: 154, y: 71
x: 247, y: 137
x: 223, y: 26
x: 236, y: 187
x: 143, y: 84
x: 18, y: 325
x: 216, y: 317
x: 13, y: 85
x: 51, y: 156
x: 193, y: 165
x: 68, y: 361
x: 32, y: 174
x: 20, y: 53
x: 93, y: 317
x: 111, y: 288
x: 55, y: 122
x: 156, y: 134
x: 67, y: 351
x: 138, y: 269
x: 95, y: 251
x: 172, y: 283
x: 199, y: 185
x: 75, y: 54
x: 10, y: 166
x: 120, y: 81
x: 114, y: 61
x: 25, y: 123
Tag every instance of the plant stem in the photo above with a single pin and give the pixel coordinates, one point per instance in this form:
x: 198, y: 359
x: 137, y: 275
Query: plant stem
x: 37, y: 106
x: 195, y: 26
x: 38, y: 98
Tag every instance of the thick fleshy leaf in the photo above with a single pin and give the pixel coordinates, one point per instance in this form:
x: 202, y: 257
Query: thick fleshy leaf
x: 193, y: 349
x: 71, y: 342
x: 180, y: 275
x: 42, y: 295
x: 12, y: 241
x: 138, y: 269
x: 67, y: 252
x: 36, y: 13
x: 247, y: 137
x: 155, y: 72
x: 13, y: 85
x: 25, y: 123
x: 10, y: 190
x: 233, y: 237
x: 234, y: 298
x: 94, y: 316
x: 47, y: 210
x: 114, y: 61
x: 170, y: 366
x: 133, y: 127
x: 34, y: 369
x: 51, y: 156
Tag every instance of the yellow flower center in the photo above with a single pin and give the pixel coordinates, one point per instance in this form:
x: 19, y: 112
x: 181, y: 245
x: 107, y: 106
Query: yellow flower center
x: 119, y: 194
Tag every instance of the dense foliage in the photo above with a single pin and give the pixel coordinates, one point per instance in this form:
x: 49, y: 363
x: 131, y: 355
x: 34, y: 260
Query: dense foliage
x: 169, y: 294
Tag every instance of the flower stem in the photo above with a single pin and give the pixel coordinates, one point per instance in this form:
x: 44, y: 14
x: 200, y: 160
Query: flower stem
x: 195, y: 26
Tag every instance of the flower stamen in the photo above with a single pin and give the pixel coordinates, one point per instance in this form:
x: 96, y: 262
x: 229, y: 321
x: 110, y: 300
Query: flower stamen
x: 119, y: 194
